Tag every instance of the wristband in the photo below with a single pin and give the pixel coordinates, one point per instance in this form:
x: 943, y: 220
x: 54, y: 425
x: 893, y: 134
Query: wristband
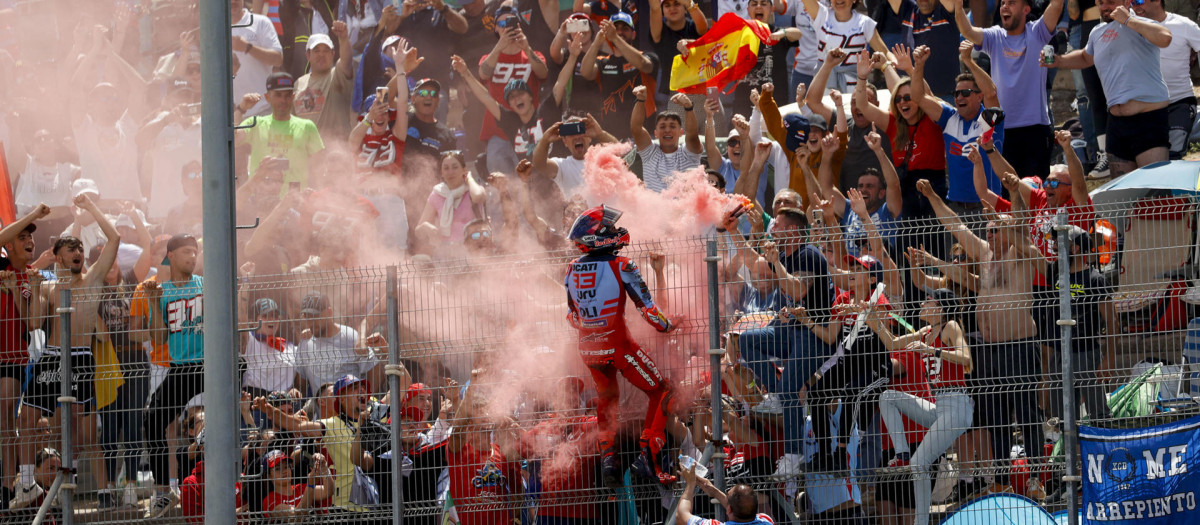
x: 689, y: 110
x: 990, y: 151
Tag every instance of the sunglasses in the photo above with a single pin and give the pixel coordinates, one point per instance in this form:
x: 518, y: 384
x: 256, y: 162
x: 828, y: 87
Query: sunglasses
x: 904, y: 98
x: 965, y: 92
x: 425, y: 92
x: 480, y: 236
x: 1138, y: 2
x: 1054, y: 184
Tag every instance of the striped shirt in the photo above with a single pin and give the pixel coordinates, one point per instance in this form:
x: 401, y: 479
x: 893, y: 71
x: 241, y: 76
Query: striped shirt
x: 658, y: 168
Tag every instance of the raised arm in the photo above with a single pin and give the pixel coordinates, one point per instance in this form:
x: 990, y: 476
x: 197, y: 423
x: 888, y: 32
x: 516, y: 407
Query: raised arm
x: 345, y: 50
x: 637, y: 120
x: 970, y: 32
x: 816, y: 92
x: 979, y: 176
x: 697, y: 17
x: 656, y: 22
x: 975, y: 247
x: 930, y: 104
x: 587, y: 65
x: 711, y: 108
x: 455, y: 21
x: 691, y: 127
x: 1079, y: 191
x: 108, y: 254
x: 574, y: 51
x: 477, y: 88
x: 895, y: 194
x: 541, y: 152
x: 983, y: 81
x: 289, y: 422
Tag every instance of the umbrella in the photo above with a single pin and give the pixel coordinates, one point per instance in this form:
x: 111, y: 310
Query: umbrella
x: 1000, y: 508
x: 1177, y: 177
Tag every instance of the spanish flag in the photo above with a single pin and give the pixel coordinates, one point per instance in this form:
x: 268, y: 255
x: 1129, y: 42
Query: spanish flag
x: 723, y: 55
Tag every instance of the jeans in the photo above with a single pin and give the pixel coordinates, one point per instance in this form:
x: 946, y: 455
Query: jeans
x: 120, y: 422
x: 501, y: 157
x: 946, y: 421
x: 1082, y: 101
x: 795, y: 78
x: 800, y: 352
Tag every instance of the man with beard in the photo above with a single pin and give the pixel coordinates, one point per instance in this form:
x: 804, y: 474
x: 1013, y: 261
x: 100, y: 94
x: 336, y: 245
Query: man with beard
x: 1020, y: 81
x: 44, y: 387
x: 20, y: 307
x: 627, y: 67
x: 177, y: 318
x: 323, y: 95
x: 329, y: 350
x: 280, y: 142
x: 1126, y: 55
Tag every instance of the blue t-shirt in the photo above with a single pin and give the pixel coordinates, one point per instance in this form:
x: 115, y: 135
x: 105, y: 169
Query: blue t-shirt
x: 182, y: 308
x: 938, y: 31
x: 957, y: 132
x: 884, y: 221
x: 810, y: 263
x: 1020, y: 78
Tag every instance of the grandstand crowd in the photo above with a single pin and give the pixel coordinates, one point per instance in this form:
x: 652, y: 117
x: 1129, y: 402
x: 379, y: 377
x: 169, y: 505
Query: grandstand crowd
x: 889, y: 291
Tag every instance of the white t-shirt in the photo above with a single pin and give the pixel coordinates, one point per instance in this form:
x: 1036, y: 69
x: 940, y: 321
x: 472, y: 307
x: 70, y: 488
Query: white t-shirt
x: 48, y: 184
x: 570, y: 177
x: 325, y: 359
x: 109, y: 157
x: 852, y: 36
x: 806, y: 47
x: 252, y: 75
x: 267, y: 367
x: 173, y: 148
x: 1175, y: 58
x: 737, y: 7
x: 658, y: 167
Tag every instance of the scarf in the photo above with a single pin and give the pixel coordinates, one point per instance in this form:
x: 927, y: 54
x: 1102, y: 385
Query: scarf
x: 453, y: 199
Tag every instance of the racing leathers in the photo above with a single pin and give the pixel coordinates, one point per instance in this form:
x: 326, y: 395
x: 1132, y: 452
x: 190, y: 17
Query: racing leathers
x: 597, y: 288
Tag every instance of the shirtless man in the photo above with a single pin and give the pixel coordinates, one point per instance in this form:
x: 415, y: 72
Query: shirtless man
x: 44, y: 384
x: 1009, y: 363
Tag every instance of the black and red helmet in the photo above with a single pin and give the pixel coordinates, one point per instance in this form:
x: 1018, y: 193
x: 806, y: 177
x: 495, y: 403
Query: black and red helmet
x: 596, y: 229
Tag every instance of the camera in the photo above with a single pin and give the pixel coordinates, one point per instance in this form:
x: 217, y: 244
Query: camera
x: 577, y: 25
x: 570, y: 129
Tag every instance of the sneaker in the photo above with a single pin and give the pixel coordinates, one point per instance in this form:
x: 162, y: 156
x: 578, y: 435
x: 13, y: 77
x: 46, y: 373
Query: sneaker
x: 1052, y: 429
x: 129, y: 497
x: 26, y: 495
x: 162, y: 503
x: 787, y: 467
x: 769, y: 405
x: 1034, y: 489
x: 898, y: 465
x: 106, y: 499
x: 611, y: 472
x: 830, y: 463
x: 1100, y: 171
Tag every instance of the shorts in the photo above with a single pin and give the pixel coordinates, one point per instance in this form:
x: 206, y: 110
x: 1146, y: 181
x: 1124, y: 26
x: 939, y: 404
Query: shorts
x: 13, y: 371
x: 1045, y: 314
x: 1131, y: 136
x: 45, y: 388
x: 1180, y: 118
x: 898, y: 490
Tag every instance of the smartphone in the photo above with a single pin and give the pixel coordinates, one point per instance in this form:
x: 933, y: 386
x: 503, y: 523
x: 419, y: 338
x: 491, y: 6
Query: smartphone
x: 396, y: 4
x: 381, y: 94
x: 577, y: 25
x: 506, y: 22
x: 284, y: 163
x: 570, y: 129
x: 713, y: 93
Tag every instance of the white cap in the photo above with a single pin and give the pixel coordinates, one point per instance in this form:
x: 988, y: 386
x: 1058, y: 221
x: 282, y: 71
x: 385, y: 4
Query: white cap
x: 318, y: 39
x: 124, y: 220
x: 81, y: 186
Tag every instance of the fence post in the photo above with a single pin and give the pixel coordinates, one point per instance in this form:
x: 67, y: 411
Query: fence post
x: 1065, y: 323
x: 66, y: 403
x: 714, y: 354
x: 393, y: 328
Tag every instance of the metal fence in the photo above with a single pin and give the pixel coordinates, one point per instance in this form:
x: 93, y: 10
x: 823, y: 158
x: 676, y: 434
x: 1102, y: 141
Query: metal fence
x: 476, y: 406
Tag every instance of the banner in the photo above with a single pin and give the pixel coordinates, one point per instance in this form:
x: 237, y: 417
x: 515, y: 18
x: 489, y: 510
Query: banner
x: 724, y: 54
x: 1145, y: 475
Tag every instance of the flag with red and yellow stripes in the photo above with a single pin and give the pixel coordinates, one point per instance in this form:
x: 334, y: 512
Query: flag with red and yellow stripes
x: 726, y: 53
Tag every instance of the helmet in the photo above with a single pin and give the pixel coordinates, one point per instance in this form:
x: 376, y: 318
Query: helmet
x: 596, y: 230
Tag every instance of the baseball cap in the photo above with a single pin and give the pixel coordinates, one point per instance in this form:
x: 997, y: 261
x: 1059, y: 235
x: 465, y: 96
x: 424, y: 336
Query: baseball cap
x: 944, y: 296
x: 275, y: 457
x: 387, y: 42
x: 314, y: 303
x: 181, y: 240
x: 124, y: 220
x: 733, y: 134
x: 1081, y: 238
x: 514, y: 86
x: 81, y: 186
x: 797, y: 130
x: 318, y: 39
x: 869, y: 263
x: 816, y: 121
x: 415, y: 390
x: 624, y: 18
x: 424, y: 81
x: 265, y: 306
x: 280, y: 82
x: 345, y: 382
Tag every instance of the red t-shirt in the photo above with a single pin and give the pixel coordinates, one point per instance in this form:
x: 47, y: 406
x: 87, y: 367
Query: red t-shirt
x: 914, y: 382
x: 191, y: 495
x: 383, y: 152
x: 508, y: 67
x: 926, y: 149
x: 274, y: 499
x: 567, y: 448
x: 12, y: 326
x: 480, y: 482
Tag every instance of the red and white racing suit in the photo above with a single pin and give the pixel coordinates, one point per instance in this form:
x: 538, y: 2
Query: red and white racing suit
x: 597, y: 286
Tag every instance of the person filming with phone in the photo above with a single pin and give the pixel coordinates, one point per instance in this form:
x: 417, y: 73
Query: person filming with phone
x: 281, y: 145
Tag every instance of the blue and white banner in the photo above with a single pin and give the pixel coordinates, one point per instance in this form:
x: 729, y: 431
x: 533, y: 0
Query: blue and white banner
x: 1145, y: 475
